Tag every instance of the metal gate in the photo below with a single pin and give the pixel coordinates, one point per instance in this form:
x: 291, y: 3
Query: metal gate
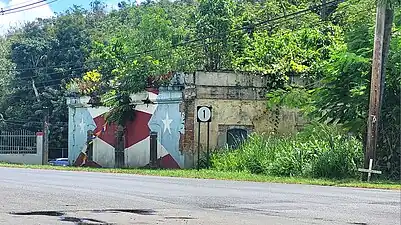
x: 18, y: 142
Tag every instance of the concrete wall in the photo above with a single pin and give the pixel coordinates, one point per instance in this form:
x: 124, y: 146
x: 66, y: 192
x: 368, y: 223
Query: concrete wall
x: 229, y: 114
x: 210, y: 85
x: 238, y: 101
x: 31, y: 159
x: 250, y: 115
x: 164, y: 117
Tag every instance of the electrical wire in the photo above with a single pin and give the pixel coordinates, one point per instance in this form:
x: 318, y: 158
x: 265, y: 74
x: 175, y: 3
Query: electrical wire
x: 139, y: 53
x: 18, y: 4
x: 13, y: 8
x: 133, y: 55
x: 71, y: 70
x: 11, y: 11
x: 86, y: 68
x: 44, y: 83
x: 31, y: 122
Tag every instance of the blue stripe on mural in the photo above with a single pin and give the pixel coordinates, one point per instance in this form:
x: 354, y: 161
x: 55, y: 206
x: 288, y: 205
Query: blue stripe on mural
x: 80, y: 122
x: 167, y: 120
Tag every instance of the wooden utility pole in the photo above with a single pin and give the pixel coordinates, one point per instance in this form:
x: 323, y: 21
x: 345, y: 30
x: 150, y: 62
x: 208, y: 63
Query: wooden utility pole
x: 375, y: 85
x: 388, y: 24
x: 45, y: 155
x: 45, y: 146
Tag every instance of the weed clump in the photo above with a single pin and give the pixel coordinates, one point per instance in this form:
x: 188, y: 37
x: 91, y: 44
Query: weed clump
x: 319, y: 151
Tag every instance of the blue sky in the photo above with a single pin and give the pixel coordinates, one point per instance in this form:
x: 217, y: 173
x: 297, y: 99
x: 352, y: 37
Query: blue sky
x: 44, y: 11
x: 62, y: 5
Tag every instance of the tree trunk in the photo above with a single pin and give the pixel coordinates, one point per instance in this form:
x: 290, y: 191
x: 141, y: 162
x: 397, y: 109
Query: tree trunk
x: 119, y: 150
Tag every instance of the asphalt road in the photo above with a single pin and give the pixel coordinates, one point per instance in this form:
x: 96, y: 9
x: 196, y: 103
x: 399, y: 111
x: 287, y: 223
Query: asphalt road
x: 61, y: 197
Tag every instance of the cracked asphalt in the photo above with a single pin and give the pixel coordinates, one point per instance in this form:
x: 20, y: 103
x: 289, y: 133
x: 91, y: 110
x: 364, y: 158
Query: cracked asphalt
x: 64, y: 197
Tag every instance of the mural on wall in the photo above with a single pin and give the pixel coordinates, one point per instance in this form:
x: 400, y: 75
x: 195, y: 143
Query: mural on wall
x: 167, y: 121
x: 164, y: 117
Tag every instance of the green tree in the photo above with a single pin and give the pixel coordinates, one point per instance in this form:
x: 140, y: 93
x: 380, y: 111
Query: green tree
x: 146, y: 46
x: 345, y: 94
x: 342, y: 95
x: 214, y: 22
x: 45, y: 54
x: 6, y: 67
x: 285, y: 54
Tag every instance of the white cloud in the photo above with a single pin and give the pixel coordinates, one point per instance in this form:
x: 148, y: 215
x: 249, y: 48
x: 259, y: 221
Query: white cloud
x: 113, y: 4
x: 18, y: 18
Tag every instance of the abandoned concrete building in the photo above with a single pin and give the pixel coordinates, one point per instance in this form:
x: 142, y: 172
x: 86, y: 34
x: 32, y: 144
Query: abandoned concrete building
x: 238, y: 108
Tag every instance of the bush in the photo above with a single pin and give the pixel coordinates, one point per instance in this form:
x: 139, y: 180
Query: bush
x: 318, y: 151
x: 250, y: 157
x: 340, y: 160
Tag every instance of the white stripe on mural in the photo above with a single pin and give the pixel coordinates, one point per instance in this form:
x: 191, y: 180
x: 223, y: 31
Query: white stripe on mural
x: 98, y: 111
x: 103, y: 153
x: 138, y: 155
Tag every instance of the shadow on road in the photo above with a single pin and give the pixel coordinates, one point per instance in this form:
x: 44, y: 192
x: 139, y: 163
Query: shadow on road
x: 84, y: 221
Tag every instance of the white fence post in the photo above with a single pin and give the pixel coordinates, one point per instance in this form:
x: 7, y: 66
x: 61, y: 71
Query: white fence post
x: 39, y: 146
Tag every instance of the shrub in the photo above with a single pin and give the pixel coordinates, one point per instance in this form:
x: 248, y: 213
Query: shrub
x: 340, y: 160
x: 227, y: 161
x: 341, y: 154
x: 319, y: 151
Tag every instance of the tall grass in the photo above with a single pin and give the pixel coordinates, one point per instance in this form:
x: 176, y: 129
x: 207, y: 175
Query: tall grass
x: 319, y: 151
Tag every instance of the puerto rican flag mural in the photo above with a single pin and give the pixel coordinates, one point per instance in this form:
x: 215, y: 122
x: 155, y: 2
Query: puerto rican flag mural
x: 164, y: 117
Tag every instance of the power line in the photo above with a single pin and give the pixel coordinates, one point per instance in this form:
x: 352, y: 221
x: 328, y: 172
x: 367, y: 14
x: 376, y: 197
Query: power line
x: 18, y: 4
x: 291, y: 16
x: 30, y: 121
x: 42, y: 83
x: 298, y: 13
x: 12, y: 10
x: 70, y: 70
x: 260, y: 24
x: 54, y: 73
x: 253, y: 26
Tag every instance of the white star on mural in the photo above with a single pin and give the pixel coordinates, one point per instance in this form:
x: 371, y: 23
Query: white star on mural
x: 82, y: 125
x: 167, y: 123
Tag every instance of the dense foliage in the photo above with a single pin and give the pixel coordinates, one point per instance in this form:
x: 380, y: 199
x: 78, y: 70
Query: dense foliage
x: 342, y: 96
x: 111, y: 54
x: 318, y: 151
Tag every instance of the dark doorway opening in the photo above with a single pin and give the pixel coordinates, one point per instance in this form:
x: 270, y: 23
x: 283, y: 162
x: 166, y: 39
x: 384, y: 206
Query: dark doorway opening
x: 235, y: 137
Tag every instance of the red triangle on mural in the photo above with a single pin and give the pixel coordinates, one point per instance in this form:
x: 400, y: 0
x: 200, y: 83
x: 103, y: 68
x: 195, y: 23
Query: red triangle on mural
x: 168, y: 162
x: 138, y: 129
x: 109, y: 135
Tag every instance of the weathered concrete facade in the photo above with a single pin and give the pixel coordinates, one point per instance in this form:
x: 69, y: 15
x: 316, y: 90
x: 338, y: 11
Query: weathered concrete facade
x: 239, y: 106
x: 163, y: 116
